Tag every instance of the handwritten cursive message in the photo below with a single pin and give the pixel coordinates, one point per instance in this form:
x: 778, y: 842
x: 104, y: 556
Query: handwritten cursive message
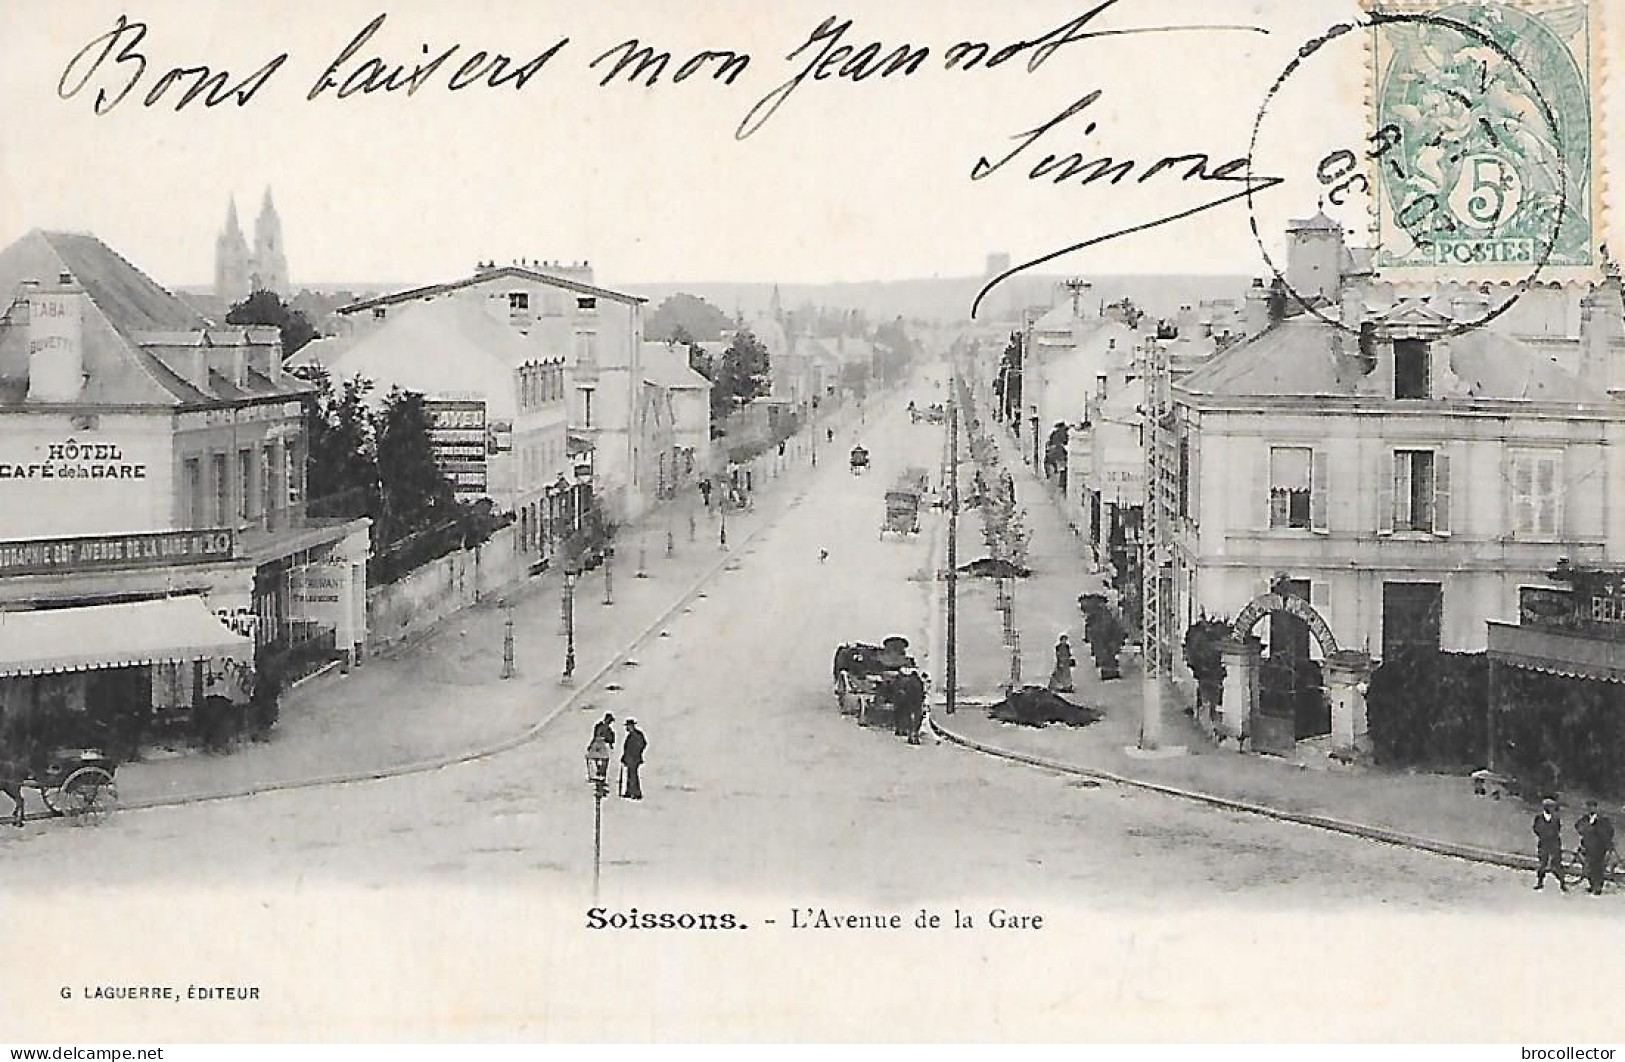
x: 115, y: 70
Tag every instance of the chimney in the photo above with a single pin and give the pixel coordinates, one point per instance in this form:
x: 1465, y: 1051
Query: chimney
x: 1602, y: 334
x: 1187, y: 322
x: 56, y: 360
x: 1469, y: 304
x: 1256, y: 308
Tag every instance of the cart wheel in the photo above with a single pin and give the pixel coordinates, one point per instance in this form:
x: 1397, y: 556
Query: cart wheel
x: 88, y: 795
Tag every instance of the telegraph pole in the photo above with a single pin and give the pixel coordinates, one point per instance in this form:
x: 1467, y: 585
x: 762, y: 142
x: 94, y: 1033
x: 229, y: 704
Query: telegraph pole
x: 952, y: 677
x: 1152, y: 540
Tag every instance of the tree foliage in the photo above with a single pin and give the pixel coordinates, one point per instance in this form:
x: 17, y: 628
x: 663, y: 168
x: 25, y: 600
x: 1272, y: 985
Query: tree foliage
x: 1426, y: 708
x: 414, y: 492
x: 1204, y: 655
x: 743, y: 373
x: 267, y: 308
x: 691, y: 316
x: 340, y: 473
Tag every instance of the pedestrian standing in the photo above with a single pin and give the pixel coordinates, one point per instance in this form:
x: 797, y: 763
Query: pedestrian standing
x: 705, y: 492
x: 632, y: 759
x: 1596, y: 843
x: 1549, y: 845
x: 604, y: 730
x: 908, y: 705
x: 1060, y: 679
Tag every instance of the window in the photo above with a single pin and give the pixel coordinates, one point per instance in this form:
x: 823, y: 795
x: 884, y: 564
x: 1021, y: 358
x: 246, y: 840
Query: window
x: 1419, y: 493
x: 194, y: 493
x: 587, y: 302
x: 1291, y: 469
x: 586, y: 408
x: 294, y: 479
x: 273, y: 469
x: 1410, y: 368
x: 1536, y: 501
x: 1412, y: 617
x: 1185, y: 476
x: 379, y: 313
x: 222, y: 490
x: 247, y: 498
x: 518, y: 302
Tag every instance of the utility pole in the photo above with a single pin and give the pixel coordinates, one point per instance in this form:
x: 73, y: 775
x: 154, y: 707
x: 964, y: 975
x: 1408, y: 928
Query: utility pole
x: 1153, y: 538
x: 952, y: 677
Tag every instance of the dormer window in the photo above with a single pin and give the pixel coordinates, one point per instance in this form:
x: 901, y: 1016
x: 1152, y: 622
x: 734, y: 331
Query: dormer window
x: 379, y: 313
x: 518, y: 302
x: 587, y: 302
x: 1410, y: 368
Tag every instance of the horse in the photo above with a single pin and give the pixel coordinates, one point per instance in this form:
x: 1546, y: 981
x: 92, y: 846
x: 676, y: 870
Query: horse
x: 13, y: 771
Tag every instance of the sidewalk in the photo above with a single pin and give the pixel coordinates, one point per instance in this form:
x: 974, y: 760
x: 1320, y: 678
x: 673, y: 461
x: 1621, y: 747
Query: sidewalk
x: 440, y: 697
x: 1435, y: 812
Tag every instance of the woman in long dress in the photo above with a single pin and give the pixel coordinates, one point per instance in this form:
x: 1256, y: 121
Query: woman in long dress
x: 1060, y: 680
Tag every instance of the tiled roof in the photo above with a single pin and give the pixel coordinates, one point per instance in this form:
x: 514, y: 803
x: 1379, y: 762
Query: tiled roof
x: 514, y: 272
x: 131, y: 301
x: 1303, y: 357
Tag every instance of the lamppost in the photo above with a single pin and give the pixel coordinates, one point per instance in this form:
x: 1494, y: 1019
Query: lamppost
x: 507, y: 644
x: 609, y: 574
x: 722, y: 528
x: 598, y: 777
x: 569, y: 625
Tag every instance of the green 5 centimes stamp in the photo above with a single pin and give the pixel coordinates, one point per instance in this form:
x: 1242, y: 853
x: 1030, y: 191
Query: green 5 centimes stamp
x: 1485, y: 140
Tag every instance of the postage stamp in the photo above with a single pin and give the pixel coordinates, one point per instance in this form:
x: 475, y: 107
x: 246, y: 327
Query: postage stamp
x: 1487, y: 131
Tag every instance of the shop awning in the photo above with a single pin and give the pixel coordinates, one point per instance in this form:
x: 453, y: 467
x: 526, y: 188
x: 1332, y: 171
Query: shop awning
x: 1557, y: 652
x: 120, y: 635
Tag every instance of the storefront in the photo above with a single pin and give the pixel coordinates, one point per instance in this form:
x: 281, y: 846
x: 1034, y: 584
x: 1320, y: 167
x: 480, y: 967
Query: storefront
x: 100, y: 673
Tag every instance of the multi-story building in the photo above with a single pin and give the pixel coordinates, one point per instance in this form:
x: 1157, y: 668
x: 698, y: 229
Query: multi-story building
x: 1396, y: 466
x: 677, y: 414
x: 151, y: 484
x: 605, y: 377
x: 496, y: 401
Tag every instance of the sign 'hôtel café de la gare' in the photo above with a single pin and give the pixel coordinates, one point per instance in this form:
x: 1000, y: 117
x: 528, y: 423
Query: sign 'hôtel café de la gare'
x: 155, y: 550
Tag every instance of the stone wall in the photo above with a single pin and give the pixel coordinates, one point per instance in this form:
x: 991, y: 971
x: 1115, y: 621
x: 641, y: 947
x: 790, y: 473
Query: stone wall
x: 405, y: 608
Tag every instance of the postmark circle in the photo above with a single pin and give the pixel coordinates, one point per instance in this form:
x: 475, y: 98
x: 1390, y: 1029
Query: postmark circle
x: 1481, y: 188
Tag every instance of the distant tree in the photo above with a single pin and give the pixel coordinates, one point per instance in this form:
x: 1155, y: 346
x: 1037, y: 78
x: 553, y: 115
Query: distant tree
x: 414, y: 492
x: 266, y: 308
x: 698, y: 320
x: 341, y: 472
x: 743, y: 372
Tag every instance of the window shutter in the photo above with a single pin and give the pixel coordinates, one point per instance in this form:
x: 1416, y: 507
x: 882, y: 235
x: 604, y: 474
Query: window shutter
x: 1319, y: 488
x: 1193, y: 480
x: 1260, y: 501
x: 1441, y: 493
x: 1560, y: 490
x: 1387, y: 472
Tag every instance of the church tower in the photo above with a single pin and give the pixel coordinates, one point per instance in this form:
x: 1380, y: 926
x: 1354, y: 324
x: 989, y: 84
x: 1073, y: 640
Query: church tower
x: 231, y: 266
x: 270, y: 269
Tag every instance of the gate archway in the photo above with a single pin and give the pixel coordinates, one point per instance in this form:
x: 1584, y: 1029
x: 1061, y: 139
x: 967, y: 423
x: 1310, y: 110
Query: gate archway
x: 1290, y: 699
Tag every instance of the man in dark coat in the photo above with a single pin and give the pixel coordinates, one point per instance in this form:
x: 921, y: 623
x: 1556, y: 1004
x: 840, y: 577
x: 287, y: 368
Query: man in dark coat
x: 604, y: 730
x: 1596, y: 842
x: 908, y: 704
x: 632, y: 759
x: 1549, y: 845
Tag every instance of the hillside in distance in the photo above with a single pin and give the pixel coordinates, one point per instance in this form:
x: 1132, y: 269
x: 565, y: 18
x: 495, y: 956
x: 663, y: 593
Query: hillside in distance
x: 950, y: 298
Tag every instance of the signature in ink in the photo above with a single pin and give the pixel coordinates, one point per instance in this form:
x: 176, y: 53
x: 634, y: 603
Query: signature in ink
x: 1073, y: 168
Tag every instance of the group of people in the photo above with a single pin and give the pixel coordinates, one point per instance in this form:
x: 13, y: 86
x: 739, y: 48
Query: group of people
x: 1596, y: 832
x: 603, y: 732
x: 729, y: 492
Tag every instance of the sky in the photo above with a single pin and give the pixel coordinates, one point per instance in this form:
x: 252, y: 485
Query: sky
x: 846, y: 180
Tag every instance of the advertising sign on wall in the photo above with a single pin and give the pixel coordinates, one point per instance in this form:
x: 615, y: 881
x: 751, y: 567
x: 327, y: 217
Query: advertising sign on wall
x: 320, y: 593
x: 457, y: 436
x: 43, y: 556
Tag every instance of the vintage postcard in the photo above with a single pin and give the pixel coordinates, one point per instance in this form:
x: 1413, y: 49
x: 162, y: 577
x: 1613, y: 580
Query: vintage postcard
x: 706, y: 520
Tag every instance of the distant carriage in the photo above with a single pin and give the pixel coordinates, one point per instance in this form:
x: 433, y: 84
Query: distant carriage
x: 903, y: 502
x: 860, y: 459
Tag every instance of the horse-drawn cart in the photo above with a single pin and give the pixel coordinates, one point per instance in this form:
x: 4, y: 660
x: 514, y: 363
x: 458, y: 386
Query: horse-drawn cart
x: 860, y: 459
x: 76, y: 784
x: 864, y: 673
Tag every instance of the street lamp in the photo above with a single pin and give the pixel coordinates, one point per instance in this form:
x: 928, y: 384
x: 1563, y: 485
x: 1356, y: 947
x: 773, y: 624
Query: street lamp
x: 722, y: 528
x: 609, y: 574
x: 598, y: 777
x: 507, y: 644
x: 569, y: 626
